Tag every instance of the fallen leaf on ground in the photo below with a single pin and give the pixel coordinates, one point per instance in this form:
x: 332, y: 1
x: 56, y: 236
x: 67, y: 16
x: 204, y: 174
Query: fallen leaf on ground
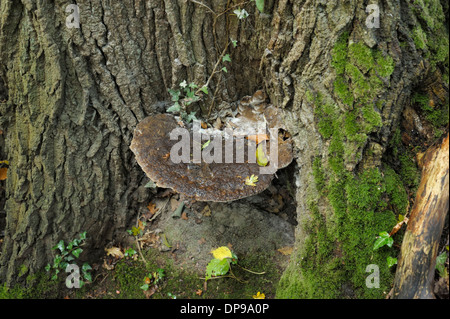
x: 149, y: 238
x: 184, y: 216
x: 141, y: 225
x: 151, y: 290
x: 286, y: 250
x: 152, y: 208
x: 250, y: 181
x: 261, y: 157
x: 107, y: 266
x: 198, y: 292
x: 222, y: 252
x: 206, y: 211
x: 3, y: 173
x: 114, y: 251
x: 258, y: 138
x: 259, y: 295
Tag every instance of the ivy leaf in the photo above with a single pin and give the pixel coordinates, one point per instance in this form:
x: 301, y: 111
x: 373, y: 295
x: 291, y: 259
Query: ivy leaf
x: 217, y: 267
x: 175, y: 95
x: 383, y: 239
x: 77, y: 252
x: 83, y: 236
x: 87, y: 276
x: 224, y: 69
x: 191, y: 117
x: 226, y: 58
x: 234, y: 43
x: 260, y: 5
x: 60, y: 246
x: 391, y: 261
x: 174, y: 108
x: 204, y: 89
x: 241, y: 14
x: 193, y: 86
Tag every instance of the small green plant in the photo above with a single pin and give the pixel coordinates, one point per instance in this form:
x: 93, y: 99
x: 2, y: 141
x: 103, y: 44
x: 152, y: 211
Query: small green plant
x: 385, y: 239
x: 391, y: 261
x: 67, y: 256
x: 190, y: 96
x: 440, y: 264
x: 152, y: 279
x: 220, y: 265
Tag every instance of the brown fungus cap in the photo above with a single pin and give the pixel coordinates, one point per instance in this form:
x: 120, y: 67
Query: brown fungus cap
x: 217, y: 182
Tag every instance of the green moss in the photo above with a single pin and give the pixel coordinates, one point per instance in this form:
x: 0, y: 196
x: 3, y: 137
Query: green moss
x: 438, y: 115
x: 384, y: 64
x: 11, y: 293
x: 394, y: 186
x: 337, y: 251
x: 326, y: 117
x: 339, y: 54
x: 419, y: 37
x: 408, y: 171
x: 342, y: 90
x: 430, y: 33
x: 361, y: 55
x: 339, y: 244
x: 319, y: 177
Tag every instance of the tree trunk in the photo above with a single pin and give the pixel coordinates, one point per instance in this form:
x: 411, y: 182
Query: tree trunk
x: 74, y: 96
x: 417, y: 263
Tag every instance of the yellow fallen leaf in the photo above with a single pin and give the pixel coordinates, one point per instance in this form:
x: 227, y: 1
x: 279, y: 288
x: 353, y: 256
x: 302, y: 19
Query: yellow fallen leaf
x: 250, y: 181
x: 222, y: 252
x: 261, y: 157
x: 259, y: 295
x: 114, y: 251
x: 286, y: 250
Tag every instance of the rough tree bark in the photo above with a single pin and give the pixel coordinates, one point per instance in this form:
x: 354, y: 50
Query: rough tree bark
x: 74, y: 97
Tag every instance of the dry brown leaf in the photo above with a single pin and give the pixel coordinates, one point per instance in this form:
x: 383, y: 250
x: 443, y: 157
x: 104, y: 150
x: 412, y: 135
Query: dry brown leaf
x: 152, y: 208
x: 149, y: 238
x: 150, y: 291
x: 258, y: 138
x: 198, y: 292
x: 287, y: 250
x: 204, y: 126
x: 184, y: 216
x: 396, y: 228
x: 114, y: 251
x: 3, y: 173
x: 107, y: 266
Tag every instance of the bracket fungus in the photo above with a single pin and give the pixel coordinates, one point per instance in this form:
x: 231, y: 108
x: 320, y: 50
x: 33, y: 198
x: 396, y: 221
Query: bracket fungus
x: 217, y: 174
